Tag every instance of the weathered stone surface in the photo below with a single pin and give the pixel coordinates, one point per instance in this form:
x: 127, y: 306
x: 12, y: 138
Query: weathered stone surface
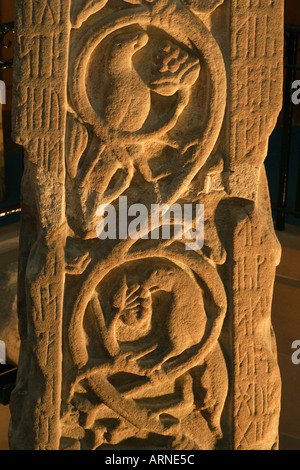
x: 8, y: 313
x: 138, y: 342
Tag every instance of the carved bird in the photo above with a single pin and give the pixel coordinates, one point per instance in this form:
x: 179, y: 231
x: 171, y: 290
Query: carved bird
x: 127, y: 98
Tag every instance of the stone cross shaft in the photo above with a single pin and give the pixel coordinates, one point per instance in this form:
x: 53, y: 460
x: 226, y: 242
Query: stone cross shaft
x: 134, y: 336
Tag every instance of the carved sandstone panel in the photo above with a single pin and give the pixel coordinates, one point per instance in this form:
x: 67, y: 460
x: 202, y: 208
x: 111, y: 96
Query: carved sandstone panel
x: 256, y: 389
x: 134, y: 335
x: 42, y: 31
x: 255, y: 98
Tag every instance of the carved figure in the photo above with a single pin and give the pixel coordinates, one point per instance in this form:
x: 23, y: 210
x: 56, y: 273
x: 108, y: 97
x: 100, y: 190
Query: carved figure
x: 127, y: 97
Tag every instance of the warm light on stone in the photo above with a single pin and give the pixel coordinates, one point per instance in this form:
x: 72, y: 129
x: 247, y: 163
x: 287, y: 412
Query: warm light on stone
x: 144, y: 342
